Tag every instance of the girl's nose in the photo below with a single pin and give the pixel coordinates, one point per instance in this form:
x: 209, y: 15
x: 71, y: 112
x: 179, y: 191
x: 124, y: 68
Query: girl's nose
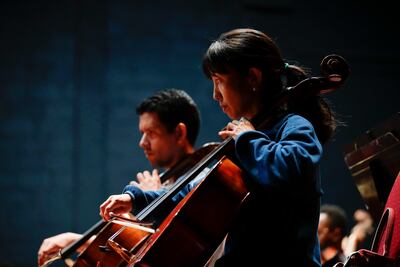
x: 216, y: 92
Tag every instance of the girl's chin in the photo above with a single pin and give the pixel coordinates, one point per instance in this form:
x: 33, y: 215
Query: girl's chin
x: 232, y: 117
x: 227, y: 113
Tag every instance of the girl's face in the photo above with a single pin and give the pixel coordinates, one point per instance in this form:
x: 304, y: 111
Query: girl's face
x: 235, y: 95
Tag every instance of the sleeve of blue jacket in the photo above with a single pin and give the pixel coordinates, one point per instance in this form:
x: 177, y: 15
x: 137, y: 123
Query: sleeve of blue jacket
x: 288, y: 151
x: 141, y: 198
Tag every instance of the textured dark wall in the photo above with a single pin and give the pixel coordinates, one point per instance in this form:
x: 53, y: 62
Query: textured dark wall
x: 72, y: 73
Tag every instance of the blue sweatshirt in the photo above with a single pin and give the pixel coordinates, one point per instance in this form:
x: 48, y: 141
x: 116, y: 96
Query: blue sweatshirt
x: 278, y: 225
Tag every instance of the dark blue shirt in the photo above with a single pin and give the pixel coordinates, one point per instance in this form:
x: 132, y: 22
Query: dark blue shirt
x: 278, y: 225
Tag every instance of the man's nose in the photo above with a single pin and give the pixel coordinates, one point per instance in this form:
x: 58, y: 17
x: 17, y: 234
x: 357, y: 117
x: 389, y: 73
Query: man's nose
x: 143, y: 141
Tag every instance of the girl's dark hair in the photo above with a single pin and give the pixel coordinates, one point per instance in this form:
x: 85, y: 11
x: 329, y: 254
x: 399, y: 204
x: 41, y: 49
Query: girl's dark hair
x: 241, y: 49
x: 174, y: 106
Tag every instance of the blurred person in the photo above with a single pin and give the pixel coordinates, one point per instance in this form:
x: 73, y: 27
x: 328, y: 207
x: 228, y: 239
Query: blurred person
x: 332, y: 228
x: 361, y: 233
x: 335, y: 241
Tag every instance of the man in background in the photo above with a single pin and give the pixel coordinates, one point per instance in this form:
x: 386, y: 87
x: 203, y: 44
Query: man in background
x: 169, y: 122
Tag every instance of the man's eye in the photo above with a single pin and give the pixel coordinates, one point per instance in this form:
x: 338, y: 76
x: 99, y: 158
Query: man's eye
x: 151, y: 134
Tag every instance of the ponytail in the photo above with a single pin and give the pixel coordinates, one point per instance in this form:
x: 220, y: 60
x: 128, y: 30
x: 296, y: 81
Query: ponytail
x: 315, y: 108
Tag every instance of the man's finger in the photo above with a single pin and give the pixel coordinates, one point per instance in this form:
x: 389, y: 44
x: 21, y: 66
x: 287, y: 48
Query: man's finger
x: 140, y: 176
x: 147, y: 174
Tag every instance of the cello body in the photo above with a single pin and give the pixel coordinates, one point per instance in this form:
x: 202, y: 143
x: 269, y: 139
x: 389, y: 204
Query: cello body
x: 115, y: 245
x: 198, y: 224
x: 111, y: 246
x: 188, y: 236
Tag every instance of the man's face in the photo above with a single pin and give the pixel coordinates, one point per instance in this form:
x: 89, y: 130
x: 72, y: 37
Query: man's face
x: 323, y: 230
x: 160, y: 147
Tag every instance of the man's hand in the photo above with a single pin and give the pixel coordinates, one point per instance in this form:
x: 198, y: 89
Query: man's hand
x: 52, y: 245
x: 147, y: 180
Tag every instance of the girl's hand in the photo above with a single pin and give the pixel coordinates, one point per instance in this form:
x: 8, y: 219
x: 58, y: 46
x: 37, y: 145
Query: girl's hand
x: 235, y: 128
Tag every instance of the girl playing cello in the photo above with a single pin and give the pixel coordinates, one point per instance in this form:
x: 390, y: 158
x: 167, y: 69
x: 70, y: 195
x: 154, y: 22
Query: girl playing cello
x: 278, y: 225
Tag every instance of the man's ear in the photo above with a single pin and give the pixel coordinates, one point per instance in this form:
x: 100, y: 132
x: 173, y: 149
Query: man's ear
x: 255, y: 77
x: 181, y: 132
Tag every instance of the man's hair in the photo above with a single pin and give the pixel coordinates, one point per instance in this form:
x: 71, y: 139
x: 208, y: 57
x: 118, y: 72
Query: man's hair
x: 174, y: 106
x: 337, y: 217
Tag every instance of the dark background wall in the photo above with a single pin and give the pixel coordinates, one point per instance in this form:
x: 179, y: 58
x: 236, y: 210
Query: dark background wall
x: 72, y: 73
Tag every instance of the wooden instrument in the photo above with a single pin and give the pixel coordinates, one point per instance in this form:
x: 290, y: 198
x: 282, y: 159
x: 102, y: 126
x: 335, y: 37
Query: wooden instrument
x: 119, y: 228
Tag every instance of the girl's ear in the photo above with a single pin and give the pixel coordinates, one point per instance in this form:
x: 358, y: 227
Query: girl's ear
x: 255, y: 77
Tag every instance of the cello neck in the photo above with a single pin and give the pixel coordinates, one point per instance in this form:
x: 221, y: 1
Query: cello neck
x: 67, y: 251
x: 217, y: 151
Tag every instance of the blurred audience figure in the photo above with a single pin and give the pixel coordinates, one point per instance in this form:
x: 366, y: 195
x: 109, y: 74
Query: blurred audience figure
x: 361, y: 234
x: 335, y: 244
x: 332, y: 229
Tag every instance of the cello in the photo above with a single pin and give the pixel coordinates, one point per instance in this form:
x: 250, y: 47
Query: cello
x: 120, y: 227
x: 187, y: 229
